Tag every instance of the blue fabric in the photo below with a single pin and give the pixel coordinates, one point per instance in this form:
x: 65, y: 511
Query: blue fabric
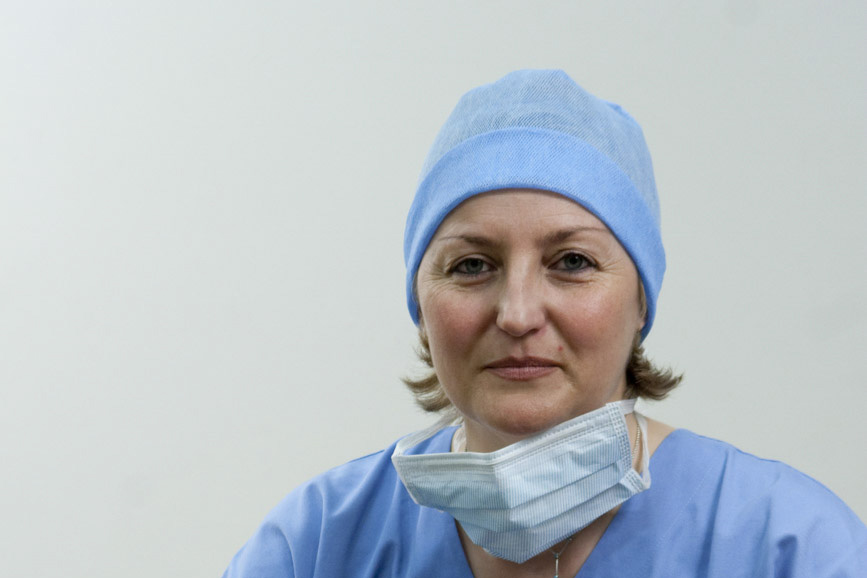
x: 537, y: 129
x: 712, y: 511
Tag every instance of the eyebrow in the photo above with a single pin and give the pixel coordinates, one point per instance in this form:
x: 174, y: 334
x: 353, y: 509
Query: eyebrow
x: 553, y: 237
x: 564, y: 234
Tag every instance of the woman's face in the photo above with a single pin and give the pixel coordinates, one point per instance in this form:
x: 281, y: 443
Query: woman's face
x: 531, y: 307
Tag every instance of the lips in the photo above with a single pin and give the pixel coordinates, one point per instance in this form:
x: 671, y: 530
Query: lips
x: 522, y: 368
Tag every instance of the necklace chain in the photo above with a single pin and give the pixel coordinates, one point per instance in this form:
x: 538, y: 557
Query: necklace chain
x: 557, y: 555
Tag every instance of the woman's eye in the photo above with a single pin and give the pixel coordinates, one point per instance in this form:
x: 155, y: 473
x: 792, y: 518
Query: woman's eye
x: 573, y: 262
x: 471, y: 266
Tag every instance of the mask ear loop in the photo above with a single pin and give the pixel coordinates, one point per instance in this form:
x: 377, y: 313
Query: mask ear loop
x: 627, y: 406
x: 641, y: 421
x: 459, y: 441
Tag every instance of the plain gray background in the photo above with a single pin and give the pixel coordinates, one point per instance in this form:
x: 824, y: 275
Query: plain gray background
x: 201, y: 219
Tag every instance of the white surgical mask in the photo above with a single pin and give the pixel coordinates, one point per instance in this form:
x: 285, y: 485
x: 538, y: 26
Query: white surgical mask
x: 522, y: 499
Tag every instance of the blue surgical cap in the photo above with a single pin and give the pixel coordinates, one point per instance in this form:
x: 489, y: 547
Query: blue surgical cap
x: 537, y: 129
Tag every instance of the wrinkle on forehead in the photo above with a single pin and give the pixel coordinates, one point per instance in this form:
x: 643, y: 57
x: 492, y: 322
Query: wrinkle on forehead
x: 553, y: 237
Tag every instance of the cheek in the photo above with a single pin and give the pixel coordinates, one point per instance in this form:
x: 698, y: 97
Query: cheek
x: 452, y: 323
x: 603, y: 320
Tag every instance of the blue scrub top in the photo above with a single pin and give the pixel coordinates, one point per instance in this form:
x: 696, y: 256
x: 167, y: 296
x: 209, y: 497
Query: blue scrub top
x: 712, y: 511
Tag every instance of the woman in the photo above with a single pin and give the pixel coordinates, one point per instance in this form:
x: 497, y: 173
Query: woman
x: 534, y: 263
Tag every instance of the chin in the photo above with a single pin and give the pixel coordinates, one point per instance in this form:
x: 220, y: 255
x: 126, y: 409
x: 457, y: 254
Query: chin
x: 524, y: 420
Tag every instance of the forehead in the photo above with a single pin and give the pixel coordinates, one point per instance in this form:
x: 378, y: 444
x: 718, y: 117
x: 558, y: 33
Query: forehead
x: 517, y: 210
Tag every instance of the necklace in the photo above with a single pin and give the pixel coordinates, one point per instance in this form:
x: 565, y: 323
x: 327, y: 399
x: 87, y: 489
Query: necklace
x: 559, y: 552
x: 557, y: 555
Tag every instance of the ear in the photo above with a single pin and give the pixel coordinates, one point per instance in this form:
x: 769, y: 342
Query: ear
x: 422, y: 331
x: 642, y: 306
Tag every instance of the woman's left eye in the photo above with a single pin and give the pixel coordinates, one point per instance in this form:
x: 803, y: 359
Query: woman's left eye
x: 572, y: 262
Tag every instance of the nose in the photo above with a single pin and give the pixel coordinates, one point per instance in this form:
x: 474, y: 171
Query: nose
x: 521, y: 307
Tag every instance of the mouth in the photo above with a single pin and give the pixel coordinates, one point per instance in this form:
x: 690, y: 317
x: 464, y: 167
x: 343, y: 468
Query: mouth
x: 522, y: 368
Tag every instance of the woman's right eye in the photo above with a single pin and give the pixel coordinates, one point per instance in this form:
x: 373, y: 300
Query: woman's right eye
x: 471, y: 266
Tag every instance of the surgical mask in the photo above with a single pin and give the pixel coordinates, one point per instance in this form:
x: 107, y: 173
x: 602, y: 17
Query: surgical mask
x: 523, y: 499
